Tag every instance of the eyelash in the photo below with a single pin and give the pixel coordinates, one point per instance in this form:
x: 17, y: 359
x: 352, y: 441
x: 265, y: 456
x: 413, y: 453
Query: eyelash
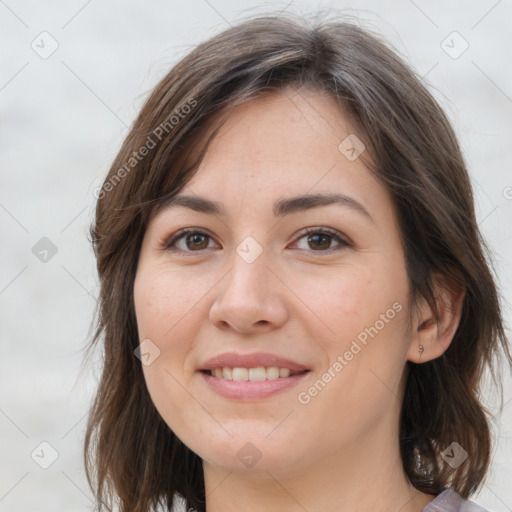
x: 343, y: 243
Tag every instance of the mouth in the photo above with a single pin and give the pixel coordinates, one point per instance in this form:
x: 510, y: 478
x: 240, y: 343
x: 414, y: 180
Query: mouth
x: 258, y: 373
x: 251, y: 376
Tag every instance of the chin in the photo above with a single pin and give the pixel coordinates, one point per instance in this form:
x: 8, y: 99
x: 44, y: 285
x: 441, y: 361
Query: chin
x: 249, y: 453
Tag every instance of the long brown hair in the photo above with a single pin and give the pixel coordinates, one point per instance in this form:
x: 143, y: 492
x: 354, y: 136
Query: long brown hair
x: 132, y: 457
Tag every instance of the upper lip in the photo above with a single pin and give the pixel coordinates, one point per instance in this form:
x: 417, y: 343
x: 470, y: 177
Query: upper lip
x: 234, y: 360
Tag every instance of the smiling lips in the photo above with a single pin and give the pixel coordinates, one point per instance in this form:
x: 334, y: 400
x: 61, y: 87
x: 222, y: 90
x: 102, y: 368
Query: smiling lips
x: 251, y: 376
x: 258, y: 373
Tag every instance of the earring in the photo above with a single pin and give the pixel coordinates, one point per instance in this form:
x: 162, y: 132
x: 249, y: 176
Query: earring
x: 421, y: 349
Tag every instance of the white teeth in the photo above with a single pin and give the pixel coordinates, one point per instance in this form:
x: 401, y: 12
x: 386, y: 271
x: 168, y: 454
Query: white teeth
x: 240, y: 374
x: 272, y: 373
x: 258, y: 373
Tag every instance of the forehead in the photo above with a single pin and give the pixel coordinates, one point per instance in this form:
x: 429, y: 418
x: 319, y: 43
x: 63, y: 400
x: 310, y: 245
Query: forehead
x: 287, y: 124
x: 288, y: 142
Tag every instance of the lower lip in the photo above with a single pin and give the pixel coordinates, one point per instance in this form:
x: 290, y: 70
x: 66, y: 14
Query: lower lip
x: 251, y: 390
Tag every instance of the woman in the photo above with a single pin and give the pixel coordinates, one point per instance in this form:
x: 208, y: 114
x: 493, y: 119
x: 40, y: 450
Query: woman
x: 296, y: 305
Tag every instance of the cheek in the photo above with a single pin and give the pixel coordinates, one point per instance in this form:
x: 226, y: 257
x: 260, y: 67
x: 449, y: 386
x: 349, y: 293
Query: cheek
x: 169, y: 307
x: 159, y: 307
x: 367, y: 312
x: 352, y: 298
x: 165, y: 312
x: 166, y: 301
x: 365, y: 308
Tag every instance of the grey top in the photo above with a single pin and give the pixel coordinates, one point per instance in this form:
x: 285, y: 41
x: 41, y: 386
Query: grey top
x: 450, y: 501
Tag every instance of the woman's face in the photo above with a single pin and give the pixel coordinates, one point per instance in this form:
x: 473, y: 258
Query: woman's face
x: 291, y: 275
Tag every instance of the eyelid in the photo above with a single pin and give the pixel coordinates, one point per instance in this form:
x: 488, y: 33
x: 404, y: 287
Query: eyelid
x: 343, y: 241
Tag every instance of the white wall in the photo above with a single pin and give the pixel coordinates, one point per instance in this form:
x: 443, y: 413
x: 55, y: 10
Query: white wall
x: 62, y: 121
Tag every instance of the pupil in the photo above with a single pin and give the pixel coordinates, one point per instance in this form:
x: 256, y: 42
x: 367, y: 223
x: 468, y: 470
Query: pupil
x: 196, y: 240
x: 318, y: 238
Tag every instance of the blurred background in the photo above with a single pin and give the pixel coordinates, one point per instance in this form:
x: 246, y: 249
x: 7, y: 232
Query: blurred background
x: 73, y: 77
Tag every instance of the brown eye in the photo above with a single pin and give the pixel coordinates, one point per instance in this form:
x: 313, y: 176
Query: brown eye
x: 321, y: 240
x: 196, y: 241
x: 188, y: 240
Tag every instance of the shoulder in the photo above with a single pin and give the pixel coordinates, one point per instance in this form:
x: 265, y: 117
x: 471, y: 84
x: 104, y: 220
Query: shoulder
x: 450, y: 501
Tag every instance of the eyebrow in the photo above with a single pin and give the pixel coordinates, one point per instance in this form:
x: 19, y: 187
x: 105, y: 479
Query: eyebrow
x: 281, y: 207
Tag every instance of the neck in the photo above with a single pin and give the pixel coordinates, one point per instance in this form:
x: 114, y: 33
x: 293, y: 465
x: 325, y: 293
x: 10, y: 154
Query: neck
x: 363, y: 478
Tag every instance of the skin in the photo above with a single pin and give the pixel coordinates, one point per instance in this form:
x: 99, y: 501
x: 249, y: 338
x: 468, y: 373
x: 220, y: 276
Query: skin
x: 340, y: 450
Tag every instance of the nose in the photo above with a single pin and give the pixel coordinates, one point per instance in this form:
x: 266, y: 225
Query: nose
x: 250, y: 298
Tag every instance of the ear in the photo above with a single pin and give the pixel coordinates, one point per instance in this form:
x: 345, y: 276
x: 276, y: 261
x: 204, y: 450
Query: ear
x: 431, y: 337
